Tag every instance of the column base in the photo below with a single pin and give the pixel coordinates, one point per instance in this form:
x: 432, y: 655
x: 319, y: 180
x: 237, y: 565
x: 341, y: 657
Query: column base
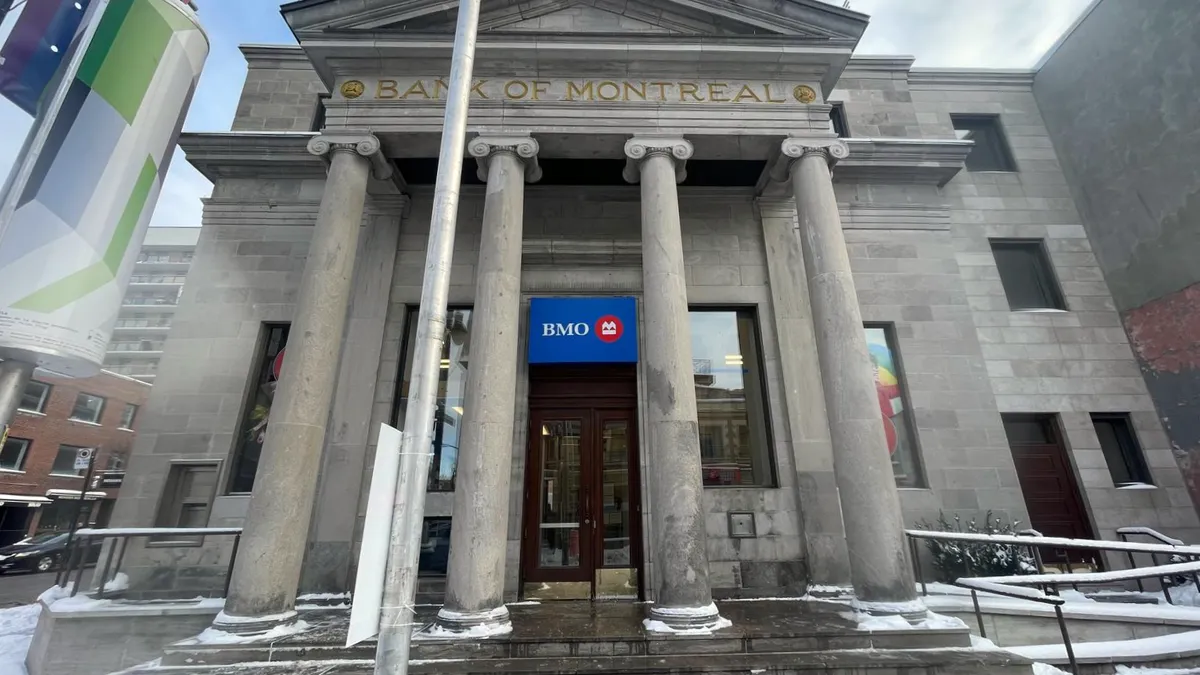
x: 913, y: 611
x: 664, y: 619
x: 453, y: 624
x: 250, y: 626
x: 828, y: 592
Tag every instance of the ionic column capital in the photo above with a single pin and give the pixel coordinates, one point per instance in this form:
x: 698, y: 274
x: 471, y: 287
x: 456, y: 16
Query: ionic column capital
x: 639, y: 148
x: 360, y: 143
x: 524, y: 147
x: 794, y: 149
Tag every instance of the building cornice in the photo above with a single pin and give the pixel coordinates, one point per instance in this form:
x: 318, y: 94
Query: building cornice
x: 277, y: 55
x: 881, y: 62
x: 902, y: 160
x: 249, y: 154
x: 982, y: 78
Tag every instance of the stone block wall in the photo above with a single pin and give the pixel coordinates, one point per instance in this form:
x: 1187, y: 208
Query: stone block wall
x: 281, y: 92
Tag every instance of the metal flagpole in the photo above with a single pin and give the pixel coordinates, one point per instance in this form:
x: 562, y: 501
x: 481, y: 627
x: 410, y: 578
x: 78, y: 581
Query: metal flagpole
x: 396, y: 616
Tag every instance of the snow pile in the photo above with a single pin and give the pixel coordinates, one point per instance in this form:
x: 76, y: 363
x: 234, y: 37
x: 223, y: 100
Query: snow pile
x: 1134, y: 650
x: 212, y: 636
x: 931, y: 621
x: 1047, y: 669
x: 1126, y: 670
x: 120, y: 582
x: 982, y: 643
x: 1185, y: 596
x: 16, y: 632
x: 55, y: 593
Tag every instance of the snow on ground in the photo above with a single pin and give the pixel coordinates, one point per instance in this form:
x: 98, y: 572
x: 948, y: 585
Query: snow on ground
x: 1047, y: 669
x: 1140, y: 649
x: 212, y: 636
x: 1126, y: 670
x: 16, y: 631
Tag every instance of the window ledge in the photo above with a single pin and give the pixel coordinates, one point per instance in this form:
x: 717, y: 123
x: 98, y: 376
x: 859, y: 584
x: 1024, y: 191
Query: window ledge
x: 1042, y: 310
x: 1137, y: 486
x: 65, y: 475
x: 12, y: 470
x: 90, y: 424
x: 126, y: 429
x: 915, y: 489
x: 31, y: 413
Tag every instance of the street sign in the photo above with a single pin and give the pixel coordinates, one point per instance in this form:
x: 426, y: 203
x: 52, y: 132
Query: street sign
x: 83, y: 457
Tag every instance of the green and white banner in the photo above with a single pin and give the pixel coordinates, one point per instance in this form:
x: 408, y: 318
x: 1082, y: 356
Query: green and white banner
x: 79, y: 207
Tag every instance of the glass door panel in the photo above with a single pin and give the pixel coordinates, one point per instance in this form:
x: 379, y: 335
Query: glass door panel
x: 615, y: 519
x: 561, y: 484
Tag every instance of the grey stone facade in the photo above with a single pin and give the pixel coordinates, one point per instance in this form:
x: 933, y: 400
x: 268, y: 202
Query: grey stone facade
x: 916, y: 230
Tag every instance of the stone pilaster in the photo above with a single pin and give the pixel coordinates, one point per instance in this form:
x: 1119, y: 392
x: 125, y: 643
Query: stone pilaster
x: 683, y: 597
x: 263, y: 587
x: 475, y: 572
x: 879, y: 570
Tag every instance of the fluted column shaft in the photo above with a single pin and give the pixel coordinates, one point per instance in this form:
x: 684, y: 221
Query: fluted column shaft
x: 475, y: 572
x: 882, y: 578
x: 683, y: 597
x: 267, y: 570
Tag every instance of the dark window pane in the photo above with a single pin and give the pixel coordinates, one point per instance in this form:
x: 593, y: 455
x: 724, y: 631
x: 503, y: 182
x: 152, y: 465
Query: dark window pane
x: 452, y: 385
x: 1028, y: 431
x: 990, y: 152
x: 128, y: 415
x: 253, y: 429
x: 897, y: 415
x: 734, y: 447
x: 435, y: 547
x: 64, y: 461
x: 1027, y: 276
x: 13, y: 454
x: 837, y: 117
x: 1122, y: 453
x: 88, y: 408
x: 34, y: 398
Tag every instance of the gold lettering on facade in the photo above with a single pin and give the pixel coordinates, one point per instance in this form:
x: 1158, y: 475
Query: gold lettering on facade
x: 540, y: 87
x: 767, y: 88
x: 631, y: 88
x: 616, y: 91
x: 418, y: 87
x: 573, y: 91
x: 688, y: 89
x: 746, y: 92
x: 515, y: 90
x: 386, y: 89
x: 477, y: 90
x: 662, y: 89
x: 717, y: 89
x: 439, y: 87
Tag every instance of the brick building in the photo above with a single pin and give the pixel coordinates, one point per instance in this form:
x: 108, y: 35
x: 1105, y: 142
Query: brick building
x: 39, y: 486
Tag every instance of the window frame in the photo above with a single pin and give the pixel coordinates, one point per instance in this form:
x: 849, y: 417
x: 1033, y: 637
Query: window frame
x: 411, y: 313
x: 1002, y: 147
x: 170, y: 497
x: 893, y: 342
x: 99, y: 412
x: 45, y: 398
x: 837, y: 113
x: 253, y: 382
x: 75, y: 448
x: 128, y: 416
x: 1133, y: 458
x: 770, y: 479
x: 19, y: 467
x: 1058, y: 299
x: 320, y: 113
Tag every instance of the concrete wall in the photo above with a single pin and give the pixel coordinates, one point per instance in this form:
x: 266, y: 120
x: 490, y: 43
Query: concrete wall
x: 280, y: 93
x: 1118, y: 97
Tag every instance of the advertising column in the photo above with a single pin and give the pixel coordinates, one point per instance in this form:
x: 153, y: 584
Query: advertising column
x: 80, y: 197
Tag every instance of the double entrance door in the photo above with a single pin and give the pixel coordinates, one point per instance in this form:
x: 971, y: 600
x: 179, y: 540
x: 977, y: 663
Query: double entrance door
x: 581, y: 535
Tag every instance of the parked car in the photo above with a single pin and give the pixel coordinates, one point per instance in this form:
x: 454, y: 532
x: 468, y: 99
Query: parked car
x: 41, y: 553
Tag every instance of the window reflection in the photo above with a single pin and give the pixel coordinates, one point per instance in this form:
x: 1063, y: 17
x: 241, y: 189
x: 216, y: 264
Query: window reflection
x: 452, y: 385
x: 734, y: 449
x: 897, y: 417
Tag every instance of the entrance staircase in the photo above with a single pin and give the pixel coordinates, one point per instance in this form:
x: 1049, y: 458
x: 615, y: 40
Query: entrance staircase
x: 784, y: 637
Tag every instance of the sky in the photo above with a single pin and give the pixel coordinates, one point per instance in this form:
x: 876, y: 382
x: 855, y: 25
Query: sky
x: 939, y: 33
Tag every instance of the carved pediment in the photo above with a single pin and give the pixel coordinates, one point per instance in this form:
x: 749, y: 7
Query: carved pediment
x: 811, y: 19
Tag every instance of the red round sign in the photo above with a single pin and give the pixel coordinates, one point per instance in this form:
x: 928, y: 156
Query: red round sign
x: 609, y: 328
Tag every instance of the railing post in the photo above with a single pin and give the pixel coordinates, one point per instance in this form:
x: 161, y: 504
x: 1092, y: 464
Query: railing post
x: 82, y: 555
x: 237, y: 539
x: 978, y: 613
x: 103, y: 581
x: 1062, y: 626
x: 916, y: 563
x: 1133, y: 565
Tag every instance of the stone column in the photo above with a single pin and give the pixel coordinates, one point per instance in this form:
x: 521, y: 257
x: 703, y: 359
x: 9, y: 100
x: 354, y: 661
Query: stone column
x: 683, y: 598
x: 475, y: 572
x: 879, y: 570
x: 262, y: 591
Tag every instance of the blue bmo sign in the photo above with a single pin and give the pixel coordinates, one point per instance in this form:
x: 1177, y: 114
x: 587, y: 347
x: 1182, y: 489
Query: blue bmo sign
x: 582, y: 330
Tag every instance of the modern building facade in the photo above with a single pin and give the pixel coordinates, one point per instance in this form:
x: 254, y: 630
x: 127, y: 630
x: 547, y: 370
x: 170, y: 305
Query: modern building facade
x: 1130, y: 163
x: 728, y: 308
x: 58, y: 417
x: 150, y: 302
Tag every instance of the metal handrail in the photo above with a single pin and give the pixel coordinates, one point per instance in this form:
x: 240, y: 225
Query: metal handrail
x: 76, y: 552
x: 1125, y: 532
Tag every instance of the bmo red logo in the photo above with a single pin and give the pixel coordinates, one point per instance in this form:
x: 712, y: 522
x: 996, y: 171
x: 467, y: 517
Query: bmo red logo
x: 609, y: 328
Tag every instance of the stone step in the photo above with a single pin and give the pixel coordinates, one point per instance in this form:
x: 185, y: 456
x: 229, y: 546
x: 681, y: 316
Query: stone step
x: 839, y: 662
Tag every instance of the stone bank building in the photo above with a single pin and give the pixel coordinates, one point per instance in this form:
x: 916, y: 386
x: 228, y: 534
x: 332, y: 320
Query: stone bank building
x: 727, y: 307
